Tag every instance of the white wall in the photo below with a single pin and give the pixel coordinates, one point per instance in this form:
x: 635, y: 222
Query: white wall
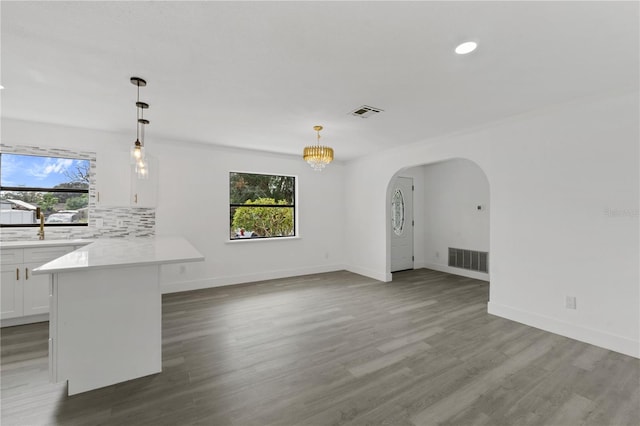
x: 564, y: 196
x: 453, y: 190
x: 193, y: 202
x: 193, y: 197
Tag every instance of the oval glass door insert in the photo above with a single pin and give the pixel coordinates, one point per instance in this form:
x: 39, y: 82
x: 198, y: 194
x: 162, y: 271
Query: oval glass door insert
x: 397, y: 212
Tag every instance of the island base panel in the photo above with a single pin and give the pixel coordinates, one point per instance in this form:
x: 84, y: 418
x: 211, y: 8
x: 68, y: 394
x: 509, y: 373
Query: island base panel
x: 106, y: 326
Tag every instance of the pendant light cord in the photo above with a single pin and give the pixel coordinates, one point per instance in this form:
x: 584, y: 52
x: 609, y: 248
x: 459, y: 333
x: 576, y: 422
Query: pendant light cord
x: 142, y: 123
x: 138, y: 113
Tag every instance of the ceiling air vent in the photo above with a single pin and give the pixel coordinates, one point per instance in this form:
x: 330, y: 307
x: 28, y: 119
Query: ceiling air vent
x: 366, y: 111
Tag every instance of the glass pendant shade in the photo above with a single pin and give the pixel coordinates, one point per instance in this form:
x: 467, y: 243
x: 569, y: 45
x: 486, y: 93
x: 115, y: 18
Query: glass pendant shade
x: 318, y: 156
x: 137, y: 152
x: 142, y: 169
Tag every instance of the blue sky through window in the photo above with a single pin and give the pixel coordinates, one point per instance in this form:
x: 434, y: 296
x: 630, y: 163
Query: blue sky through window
x: 37, y: 171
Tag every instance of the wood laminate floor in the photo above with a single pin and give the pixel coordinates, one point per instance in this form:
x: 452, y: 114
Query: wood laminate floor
x: 333, y: 349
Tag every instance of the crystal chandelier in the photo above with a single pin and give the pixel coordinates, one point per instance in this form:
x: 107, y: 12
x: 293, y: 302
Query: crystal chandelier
x: 137, y: 151
x: 318, y: 156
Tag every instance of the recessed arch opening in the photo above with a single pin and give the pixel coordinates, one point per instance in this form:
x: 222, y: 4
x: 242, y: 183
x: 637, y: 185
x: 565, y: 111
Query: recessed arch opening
x: 451, y: 210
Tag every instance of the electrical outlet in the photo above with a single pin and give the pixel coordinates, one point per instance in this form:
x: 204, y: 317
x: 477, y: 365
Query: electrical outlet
x: 437, y: 255
x: 119, y: 223
x: 570, y: 302
x: 99, y: 223
x: 183, y: 269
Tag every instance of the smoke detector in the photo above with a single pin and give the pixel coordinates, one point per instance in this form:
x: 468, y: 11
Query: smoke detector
x: 365, y: 111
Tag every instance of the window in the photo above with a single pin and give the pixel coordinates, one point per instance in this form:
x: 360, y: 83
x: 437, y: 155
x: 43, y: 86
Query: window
x: 261, y: 206
x: 58, y: 186
x: 397, y: 212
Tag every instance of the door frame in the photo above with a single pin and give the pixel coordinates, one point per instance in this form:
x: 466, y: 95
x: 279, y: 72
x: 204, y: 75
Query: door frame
x: 409, y: 225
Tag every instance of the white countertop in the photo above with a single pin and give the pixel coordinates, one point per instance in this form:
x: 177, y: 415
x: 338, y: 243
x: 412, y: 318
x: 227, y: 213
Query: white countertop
x: 43, y: 243
x: 114, y: 253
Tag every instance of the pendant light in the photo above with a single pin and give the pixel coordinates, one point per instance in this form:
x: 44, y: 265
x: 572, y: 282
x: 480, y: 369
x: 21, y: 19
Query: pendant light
x: 138, y: 157
x: 318, y: 156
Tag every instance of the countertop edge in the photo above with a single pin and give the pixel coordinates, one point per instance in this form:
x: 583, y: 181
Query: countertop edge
x: 43, y: 244
x: 117, y: 253
x: 39, y: 271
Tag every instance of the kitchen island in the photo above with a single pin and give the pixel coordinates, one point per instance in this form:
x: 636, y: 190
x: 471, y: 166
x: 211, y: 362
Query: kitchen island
x: 106, y: 310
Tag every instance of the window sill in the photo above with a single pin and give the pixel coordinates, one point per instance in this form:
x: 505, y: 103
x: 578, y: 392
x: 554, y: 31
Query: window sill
x: 255, y: 240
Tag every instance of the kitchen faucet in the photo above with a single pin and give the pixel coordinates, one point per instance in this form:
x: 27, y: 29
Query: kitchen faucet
x: 41, y: 231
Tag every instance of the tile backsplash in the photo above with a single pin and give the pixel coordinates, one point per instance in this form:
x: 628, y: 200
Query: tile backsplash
x: 116, y: 222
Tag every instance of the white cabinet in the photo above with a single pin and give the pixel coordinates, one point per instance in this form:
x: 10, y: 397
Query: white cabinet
x: 117, y: 184
x: 11, y: 293
x: 23, y: 294
x: 144, y: 191
x: 112, y: 179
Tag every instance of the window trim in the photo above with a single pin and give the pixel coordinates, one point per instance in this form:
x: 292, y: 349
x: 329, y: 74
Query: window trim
x: 255, y: 240
x: 296, y: 233
x: 31, y: 189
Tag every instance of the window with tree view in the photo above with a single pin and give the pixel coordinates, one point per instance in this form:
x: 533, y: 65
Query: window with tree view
x: 57, y: 187
x: 261, y: 206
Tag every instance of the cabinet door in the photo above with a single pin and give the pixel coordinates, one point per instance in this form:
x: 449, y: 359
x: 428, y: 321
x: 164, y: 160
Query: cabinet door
x: 11, y: 291
x: 36, y: 291
x: 113, y: 179
x: 36, y: 287
x: 144, y: 191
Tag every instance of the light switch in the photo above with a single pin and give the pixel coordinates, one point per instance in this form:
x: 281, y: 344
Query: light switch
x: 570, y: 302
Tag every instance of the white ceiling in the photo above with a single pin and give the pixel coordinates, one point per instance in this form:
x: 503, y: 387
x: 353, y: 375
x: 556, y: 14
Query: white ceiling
x: 260, y: 75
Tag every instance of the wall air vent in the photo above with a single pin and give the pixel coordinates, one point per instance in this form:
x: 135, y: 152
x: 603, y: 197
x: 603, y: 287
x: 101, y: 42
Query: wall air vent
x: 365, y: 111
x: 469, y: 259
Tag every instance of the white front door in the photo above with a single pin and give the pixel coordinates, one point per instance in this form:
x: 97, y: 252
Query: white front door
x: 401, y: 205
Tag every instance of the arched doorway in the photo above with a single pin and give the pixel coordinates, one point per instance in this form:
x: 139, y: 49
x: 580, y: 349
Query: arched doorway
x: 451, y: 208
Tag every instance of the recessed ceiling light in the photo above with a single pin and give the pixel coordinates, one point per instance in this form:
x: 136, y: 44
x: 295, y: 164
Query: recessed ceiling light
x: 1, y: 87
x: 466, y: 47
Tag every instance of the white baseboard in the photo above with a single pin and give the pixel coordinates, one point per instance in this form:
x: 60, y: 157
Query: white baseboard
x: 594, y: 337
x: 458, y: 271
x: 376, y: 275
x: 419, y: 265
x: 175, y: 287
x: 10, y: 322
